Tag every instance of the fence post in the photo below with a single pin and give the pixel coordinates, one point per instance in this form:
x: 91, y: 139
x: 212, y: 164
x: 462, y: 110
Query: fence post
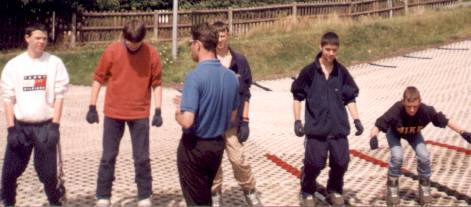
x: 406, y: 6
x: 156, y: 25
x: 390, y: 5
x: 295, y: 12
x: 230, y: 15
x: 350, y: 8
x: 174, y: 29
x: 74, y: 30
x: 53, y: 35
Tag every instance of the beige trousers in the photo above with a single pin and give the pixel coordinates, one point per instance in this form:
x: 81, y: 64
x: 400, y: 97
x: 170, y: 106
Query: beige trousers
x: 240, y: 166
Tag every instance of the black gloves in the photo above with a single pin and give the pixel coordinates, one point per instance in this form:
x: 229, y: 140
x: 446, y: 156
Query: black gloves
x: 298, y: 128
x: 92, y: 114
x: 374, y: 143
x: 358, y: 126
x: 157, y: 120
x: 53, y: 135
x: 243, y: 132
x: 12, y: 137
x: 466, y: 136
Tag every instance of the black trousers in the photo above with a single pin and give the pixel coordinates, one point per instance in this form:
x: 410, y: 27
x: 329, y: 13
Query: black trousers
x: 45, y: 162
x: 112, y: 133
x: 198, y: 161
x: 315, y: 157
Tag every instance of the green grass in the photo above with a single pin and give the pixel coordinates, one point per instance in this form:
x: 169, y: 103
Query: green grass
x: 284, y: 48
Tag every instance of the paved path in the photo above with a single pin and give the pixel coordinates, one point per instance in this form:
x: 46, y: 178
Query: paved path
x: 442, y: 75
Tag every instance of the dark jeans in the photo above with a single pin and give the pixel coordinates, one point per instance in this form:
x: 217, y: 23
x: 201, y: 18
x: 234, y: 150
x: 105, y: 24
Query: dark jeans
x: 315, y: 156
x: 198, y: 161
x: 112, y: 134
x: 45, y: 162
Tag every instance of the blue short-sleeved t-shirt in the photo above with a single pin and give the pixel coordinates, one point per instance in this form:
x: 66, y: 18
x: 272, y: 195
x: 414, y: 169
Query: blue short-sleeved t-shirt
x: 211, y: 92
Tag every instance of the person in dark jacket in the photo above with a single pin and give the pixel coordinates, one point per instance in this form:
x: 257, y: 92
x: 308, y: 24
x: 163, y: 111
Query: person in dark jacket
x: 238, y: 133
x: 406, y: 119
x: 327, y: 87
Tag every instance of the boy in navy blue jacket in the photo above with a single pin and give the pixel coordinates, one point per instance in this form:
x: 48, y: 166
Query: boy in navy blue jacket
x: 327, y: 87
x: 406, y: 119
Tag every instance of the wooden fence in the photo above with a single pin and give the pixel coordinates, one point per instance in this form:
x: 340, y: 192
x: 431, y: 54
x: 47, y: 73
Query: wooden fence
x: 90, y: 27
x: 107, y: 26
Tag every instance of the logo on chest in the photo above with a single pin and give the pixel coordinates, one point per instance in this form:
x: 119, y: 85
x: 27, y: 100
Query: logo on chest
x: 34, y: 82
x: 409, y: 130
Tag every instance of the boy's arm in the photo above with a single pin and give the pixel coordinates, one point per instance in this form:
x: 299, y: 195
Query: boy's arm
x: 96, y: 86
x: 61, y: 86
x: 158, y: 96
x: 58, y: 105
x: 9, y: 115
x: 352, y: 108
x: 185, y: 119
x: 455, y: 127
x: 297, y: 110
x: 374, y: 132
x: 8, y: 89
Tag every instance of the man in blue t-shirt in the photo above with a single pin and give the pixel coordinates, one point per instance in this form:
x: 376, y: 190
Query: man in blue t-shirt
x: 205, y: 111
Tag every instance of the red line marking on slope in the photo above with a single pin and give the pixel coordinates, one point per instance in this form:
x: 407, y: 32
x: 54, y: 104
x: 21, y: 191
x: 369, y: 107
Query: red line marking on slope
x: 284, y: 165
x: 451, y: 147
x: 296, y: 172
x: 373, y: 160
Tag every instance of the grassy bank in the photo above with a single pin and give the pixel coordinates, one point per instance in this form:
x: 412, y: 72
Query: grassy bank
x: 283, y: 49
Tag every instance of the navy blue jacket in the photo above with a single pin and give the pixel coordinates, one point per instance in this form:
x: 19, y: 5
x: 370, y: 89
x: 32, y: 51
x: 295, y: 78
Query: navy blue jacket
x: 241, y: 67
x: 325, y: 112
x: 405, y: 126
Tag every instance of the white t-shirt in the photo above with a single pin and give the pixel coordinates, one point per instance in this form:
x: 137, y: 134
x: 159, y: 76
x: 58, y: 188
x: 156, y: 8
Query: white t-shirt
x: 32, y: 85
x: 226, y: 59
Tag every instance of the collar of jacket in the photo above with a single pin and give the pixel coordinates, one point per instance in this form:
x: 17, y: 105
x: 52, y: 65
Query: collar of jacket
x: 317, y: 65
x: 235, y: 58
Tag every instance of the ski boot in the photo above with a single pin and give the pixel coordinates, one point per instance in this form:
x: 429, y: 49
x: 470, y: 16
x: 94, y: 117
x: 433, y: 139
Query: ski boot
x: 392, y: 191
x: 425, y: 196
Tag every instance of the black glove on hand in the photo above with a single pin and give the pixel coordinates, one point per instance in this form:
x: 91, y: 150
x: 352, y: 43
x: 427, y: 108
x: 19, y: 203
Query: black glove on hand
x: 53, y: 135
x: 467, y: 136
x: 12, y: 137
x: 243, y: 132
x: 157, y: 120
x: 374, y: 143
x: 358, y: 126
x: 92, y: 114
x: 298, y: 128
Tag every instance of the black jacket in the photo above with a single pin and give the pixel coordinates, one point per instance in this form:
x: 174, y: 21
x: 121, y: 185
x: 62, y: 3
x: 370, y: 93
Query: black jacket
x: 325, y: 113
x: 405, y: 126
x: 241, y: 67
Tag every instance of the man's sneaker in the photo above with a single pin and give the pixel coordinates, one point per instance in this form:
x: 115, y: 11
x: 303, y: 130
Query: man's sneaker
x: 216, y: 199
x: 252, y: 198
x: 336, y: 199
x: 306, y: 200
x: 146, y: 202
x: 392, y: 190
x: 425, y: 195
x: 103, y: 202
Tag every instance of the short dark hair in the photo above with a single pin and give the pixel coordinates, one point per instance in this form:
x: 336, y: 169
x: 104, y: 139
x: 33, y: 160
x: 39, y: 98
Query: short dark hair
x: 30, y: 29
x: 411, y: 94
x: 206, y: 34
x: 330, y: 38
x: 134, y: 30
x: 220, y: 26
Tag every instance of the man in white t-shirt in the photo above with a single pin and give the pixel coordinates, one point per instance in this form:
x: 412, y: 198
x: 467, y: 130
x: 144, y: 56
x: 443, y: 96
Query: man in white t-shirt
x: 238, y: 133
x: 33, y: 85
